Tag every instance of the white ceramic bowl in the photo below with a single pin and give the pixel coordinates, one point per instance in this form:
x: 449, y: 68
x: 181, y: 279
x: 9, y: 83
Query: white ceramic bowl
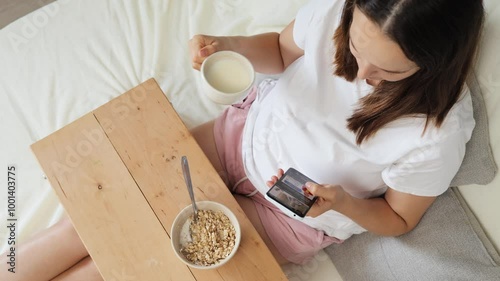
x: 226, y: 77
x: 180, y: 220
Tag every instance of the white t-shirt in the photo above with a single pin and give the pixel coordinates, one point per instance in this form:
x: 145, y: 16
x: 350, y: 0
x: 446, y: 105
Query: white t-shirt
x: 301, y: 123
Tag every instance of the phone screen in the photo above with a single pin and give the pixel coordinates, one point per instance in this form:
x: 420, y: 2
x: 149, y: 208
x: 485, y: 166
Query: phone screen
x: 288, y: 192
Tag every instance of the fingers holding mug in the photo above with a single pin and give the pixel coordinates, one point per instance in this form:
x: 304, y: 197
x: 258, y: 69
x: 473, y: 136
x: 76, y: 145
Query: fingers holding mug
x: 202, y: 46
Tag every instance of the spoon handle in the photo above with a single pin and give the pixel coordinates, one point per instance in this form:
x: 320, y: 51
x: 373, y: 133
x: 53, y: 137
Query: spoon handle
x: 187, y: 178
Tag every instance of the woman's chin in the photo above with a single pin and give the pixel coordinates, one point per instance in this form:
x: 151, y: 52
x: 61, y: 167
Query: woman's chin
x: 373, y: 82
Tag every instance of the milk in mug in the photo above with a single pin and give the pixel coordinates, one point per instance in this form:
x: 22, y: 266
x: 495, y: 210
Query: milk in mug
x: 228, y: 75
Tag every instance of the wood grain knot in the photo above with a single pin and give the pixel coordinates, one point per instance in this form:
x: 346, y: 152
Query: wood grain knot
x: 99, y: 187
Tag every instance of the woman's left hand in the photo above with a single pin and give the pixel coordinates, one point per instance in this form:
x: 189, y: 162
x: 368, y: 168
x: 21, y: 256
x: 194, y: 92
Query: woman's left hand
x: 329, y: 196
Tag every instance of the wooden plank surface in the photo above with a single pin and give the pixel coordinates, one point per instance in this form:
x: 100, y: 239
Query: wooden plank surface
x: 153, y: 152
x: 108, y: 210
x: 117, y: 172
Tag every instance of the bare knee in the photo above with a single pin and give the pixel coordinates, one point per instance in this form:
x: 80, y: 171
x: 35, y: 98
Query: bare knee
x: 91, y: 269
x: 65, y: 228
x: 85, y: 269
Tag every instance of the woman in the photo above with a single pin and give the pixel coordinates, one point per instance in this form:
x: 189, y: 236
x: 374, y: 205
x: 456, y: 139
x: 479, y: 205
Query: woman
x: 387, y: 130
x: 371, y: 101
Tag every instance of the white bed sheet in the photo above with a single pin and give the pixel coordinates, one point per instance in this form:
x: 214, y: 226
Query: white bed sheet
x: 70, y: 57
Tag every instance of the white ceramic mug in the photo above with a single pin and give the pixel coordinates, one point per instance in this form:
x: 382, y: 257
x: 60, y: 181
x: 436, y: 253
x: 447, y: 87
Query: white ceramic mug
x: 227, y: 76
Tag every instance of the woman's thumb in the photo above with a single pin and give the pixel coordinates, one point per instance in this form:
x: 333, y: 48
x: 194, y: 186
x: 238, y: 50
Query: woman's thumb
x: 206, y: 51
x: 315, y: 189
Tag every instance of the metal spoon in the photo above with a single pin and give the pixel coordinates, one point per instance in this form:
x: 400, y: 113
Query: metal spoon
x: 187, y: 178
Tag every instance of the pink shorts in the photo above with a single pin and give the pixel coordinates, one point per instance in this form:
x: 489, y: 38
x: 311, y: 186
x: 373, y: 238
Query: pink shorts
x: 296, y: 241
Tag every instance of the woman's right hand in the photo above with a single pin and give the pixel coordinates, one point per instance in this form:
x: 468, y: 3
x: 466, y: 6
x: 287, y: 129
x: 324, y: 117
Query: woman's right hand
x: 202, y: 46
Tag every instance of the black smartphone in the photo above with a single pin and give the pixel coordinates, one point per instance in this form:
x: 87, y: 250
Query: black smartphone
x: 289, y: 194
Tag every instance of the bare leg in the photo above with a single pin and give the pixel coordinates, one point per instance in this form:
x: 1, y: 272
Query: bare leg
x: 46, y: 255
x: 205, y: 137
x: 85, y: 270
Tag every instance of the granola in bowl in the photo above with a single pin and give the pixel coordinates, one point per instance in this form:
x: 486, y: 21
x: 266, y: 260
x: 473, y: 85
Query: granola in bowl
x: 211, y: 241
x: 213, y: 238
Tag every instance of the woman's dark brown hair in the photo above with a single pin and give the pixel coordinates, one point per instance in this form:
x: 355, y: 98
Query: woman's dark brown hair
x: 440, y: 36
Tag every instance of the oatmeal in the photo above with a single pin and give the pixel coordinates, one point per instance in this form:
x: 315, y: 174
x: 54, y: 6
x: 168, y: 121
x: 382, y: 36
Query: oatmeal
x: 212, y: 238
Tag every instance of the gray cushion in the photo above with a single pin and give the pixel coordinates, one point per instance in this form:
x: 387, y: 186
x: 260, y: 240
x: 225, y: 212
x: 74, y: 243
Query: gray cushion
x: 448, y: 244
x: 478, y: 166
